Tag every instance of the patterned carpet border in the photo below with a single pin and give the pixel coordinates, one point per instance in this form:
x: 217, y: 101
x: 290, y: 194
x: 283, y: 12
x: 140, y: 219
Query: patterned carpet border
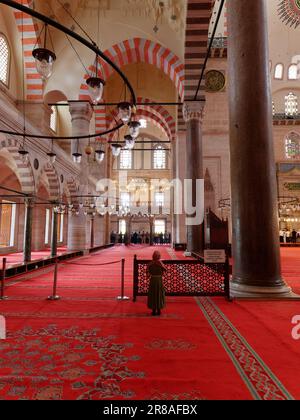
x: 257, y: 376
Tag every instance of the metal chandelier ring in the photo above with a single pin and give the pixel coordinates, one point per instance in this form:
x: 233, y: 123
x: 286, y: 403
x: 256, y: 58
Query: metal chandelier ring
x: 93, y: 47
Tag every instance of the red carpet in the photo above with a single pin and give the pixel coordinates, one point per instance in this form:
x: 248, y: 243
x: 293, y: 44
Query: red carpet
x: 90, y: 346
x: 17, y: 257
x: 290, y: 260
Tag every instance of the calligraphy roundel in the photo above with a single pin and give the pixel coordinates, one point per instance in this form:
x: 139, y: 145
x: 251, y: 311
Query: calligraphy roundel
x: 215, y: 81
x: 289, y: 12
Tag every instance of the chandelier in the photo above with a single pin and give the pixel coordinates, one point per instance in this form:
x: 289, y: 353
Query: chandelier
x: 45, y: 59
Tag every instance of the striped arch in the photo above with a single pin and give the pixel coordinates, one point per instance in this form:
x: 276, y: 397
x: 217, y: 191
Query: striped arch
x: 24, y: 170
x: 150, y: 116
x: 226, y: 19
x: 53, y: 182
x: 161, y: 112
x: 198, y: 18
x: 72, y: 187
x: 33, y: 81
x: 100, y: 119
x: 141, y: 50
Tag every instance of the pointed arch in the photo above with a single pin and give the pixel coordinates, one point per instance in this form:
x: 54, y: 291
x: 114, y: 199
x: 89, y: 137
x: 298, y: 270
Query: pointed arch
x: 23, y: 170
x: 138, y: 50
x: 150, y: 116
x: 33, y: 81
x: 53, y: 182
x: 162, y: 112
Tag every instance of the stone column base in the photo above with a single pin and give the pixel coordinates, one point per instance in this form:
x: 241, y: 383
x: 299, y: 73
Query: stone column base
x: 243, y: 291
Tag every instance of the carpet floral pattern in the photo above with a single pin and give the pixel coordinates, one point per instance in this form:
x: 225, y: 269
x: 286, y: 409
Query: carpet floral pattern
x: 41, y: 364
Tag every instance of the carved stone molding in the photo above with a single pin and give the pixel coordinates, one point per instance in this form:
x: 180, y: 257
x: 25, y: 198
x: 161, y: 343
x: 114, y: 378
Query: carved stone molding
x: 81, y: 111
x: 193, y: 111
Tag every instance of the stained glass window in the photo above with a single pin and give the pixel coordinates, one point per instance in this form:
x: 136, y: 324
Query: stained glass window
x: 291, y: 105
x: 292, y: 146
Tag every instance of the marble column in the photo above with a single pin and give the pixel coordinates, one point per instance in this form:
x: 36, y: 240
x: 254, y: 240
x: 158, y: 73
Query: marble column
x: 256, y: 255
x: 193, y: 115
x: 54, y: 233
x: 180, y: 163
x: 81, y: 115
x: 128, y: 230
x: 174, y: 219
x: 107, y: 217
x: 151, y: 222
x: 92, y: 232
x: 78, y: 227
x: 28, y: 230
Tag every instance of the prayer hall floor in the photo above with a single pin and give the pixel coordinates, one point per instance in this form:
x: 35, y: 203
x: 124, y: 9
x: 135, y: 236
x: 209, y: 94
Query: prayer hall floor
x: 88, y: 345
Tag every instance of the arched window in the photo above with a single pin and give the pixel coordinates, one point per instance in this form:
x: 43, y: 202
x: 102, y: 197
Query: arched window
x: 278, y: 74
x: 53, y: 118
x: 159, y: 158
x: 7, y: 224
x: 293, y: 72
x: 4, y: 59
x: 292, y: 146
x: 291, y: 105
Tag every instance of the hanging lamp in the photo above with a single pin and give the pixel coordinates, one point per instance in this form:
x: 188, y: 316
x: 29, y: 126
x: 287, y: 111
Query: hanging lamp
x: 116, y: 149
x: 134, y: 128
x: 125, y: 111
x: 100, y: 155
x: 51, y: 155
x: 77, y: 157
x: 23, y: 152
x: 129, y: 141
x: 96, y: 85
x: 44, y: 59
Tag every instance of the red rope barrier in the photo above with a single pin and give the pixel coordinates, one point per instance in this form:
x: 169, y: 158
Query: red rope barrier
x: 93, y: 265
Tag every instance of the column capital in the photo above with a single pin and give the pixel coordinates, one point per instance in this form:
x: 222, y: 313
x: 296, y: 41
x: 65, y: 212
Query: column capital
x: 193, y: 110
x: 81, y: 111
x: 29, y: 202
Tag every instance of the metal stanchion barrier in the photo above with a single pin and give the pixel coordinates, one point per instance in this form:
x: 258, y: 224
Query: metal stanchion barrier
x: 54, y: 293
x: 123, y: 297
x: 2, y: 297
